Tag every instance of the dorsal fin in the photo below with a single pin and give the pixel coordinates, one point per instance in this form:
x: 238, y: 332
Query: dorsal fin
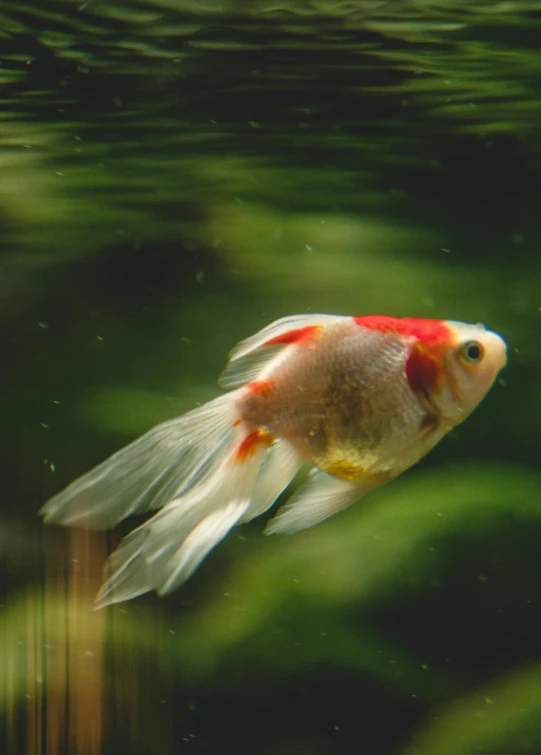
x: 250, y: 357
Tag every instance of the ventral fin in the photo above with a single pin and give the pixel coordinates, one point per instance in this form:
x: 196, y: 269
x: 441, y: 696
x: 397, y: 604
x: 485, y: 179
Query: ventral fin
x: 250, y: 357
x: 319, y: 498
x: 280, y: 465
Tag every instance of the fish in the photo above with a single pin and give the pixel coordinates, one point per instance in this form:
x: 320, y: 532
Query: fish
x: 361, y: 399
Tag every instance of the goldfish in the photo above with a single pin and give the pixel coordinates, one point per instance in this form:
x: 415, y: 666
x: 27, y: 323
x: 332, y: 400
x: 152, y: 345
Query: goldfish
x: 361, y: 399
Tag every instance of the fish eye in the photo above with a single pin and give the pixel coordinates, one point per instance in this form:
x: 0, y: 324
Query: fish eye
x: 471, y: 353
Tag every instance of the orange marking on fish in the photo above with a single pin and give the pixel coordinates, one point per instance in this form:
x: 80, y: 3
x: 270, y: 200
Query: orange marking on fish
x: 237, y: 422
x: 345, y: 469
x: 262, y: 387
x: 294, y: 336
x: 249, y: 445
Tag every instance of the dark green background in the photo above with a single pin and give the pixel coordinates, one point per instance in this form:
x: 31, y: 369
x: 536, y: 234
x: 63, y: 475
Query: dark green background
x: 173, y: 176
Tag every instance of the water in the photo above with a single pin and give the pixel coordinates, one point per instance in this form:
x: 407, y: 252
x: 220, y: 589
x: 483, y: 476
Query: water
x: 174, y: 176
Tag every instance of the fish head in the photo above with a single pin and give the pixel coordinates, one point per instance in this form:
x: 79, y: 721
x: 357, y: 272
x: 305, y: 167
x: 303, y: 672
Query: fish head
x: 472, y: 357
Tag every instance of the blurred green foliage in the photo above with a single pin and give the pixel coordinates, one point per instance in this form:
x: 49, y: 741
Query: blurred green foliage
x: 288, y: 608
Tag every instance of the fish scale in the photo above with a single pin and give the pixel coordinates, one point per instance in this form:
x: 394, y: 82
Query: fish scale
x: 340, y: 399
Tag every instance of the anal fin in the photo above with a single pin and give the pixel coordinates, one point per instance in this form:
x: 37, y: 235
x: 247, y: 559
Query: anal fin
x: 280, y: 465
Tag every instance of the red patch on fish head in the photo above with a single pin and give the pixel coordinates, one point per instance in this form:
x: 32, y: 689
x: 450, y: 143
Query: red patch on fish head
x: 425, y: 366
x: 430, y: 331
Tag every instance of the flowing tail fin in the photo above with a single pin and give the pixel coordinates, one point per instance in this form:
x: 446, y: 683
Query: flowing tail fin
x: 161, y: 465
x: 162, y: 553
x: 200, y: 470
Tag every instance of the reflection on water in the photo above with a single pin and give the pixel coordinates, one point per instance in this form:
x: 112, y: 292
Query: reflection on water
x: 174, y: 176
